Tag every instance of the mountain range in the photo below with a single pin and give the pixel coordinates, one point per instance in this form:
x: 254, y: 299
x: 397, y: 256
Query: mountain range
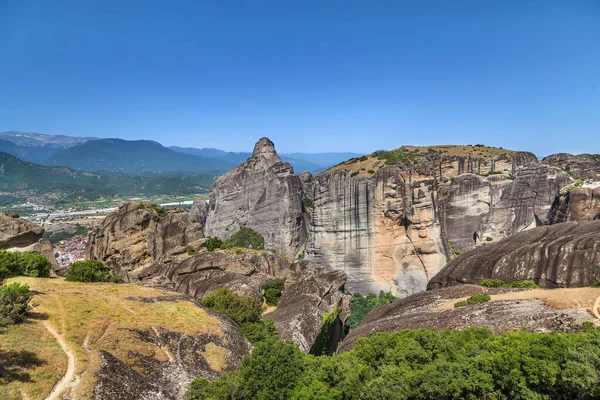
x: 141, y: 156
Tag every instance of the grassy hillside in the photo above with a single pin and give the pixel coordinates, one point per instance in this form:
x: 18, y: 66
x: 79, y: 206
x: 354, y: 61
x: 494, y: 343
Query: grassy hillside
x: 25, y: 179
x: 93, y: 317
x: 133, y: 157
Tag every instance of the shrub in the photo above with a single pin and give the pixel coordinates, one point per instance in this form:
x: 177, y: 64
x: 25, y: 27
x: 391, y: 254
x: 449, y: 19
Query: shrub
x: 272, y: 289
x: 14, y: 303
x: 246, y: 312
x: 246, y: 238
x: 488, y: 239
x: 90, y: 271
x: 527, y: 284
x: 492, y: 283
x: 239, y: 309
x: 213, y: 243
x: 360, y: 306
x: 35, y: 265
x: 26, y: 263
x: 354, y: 173
x: 308, y: 203
x: 371, y: 171
x: 190, y: 250
x: 475, y: 299
x: 596, y: 284
x: 159, y: 210
x: 363, y: 158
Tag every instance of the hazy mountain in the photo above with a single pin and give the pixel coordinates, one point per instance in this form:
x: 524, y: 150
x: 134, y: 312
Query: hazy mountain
x: 133, y: 157
x: 33, y: 139
x: 27, y: 153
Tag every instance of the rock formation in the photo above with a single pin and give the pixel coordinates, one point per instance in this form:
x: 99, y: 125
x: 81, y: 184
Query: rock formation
x: 199, y: 212
x: 310, y: 292
x: 562, y: 255
x: 18, y: 234
x: 135, y: 236
x: 583, y: 166
x: 578, y: 204
x: 386, y: 219
x: 263, y: 194
x: 509, y: 310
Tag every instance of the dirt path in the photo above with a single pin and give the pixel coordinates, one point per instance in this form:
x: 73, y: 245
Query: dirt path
x: 70, y: 374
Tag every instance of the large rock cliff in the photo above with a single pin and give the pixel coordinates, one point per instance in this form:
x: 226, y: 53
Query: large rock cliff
x: 388, y: 219
x: 263, y: 194
x: 583, y: 166
x: 561, y: 255
x: 578, y: 204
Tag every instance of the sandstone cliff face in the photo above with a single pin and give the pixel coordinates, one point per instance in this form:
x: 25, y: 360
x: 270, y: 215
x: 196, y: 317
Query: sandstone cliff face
x: 509, y: 310
x: 584, y: 166
x: 135, y: 237
x: 562, y: 255
x: 389, y: 229
x: 263, y: 194
x: 18, y: 234
x: 579, y: 204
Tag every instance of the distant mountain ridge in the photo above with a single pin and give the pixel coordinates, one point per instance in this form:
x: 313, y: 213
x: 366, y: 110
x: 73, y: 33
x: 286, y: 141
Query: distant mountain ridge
x: 133, y: 157
x: 139, y: 156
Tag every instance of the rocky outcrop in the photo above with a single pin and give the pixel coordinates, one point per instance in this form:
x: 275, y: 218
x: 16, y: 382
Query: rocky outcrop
x: 199, y: 212
x: 263, y: 194
x: 583, y: 166
x: 18, y: 234
x: 562, y: 255
x: 519, y: 310
x: 310, y: 291
x: 135, y: 236
x: 578, y: 204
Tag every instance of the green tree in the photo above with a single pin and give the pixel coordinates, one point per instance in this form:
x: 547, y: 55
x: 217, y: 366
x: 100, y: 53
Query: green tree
x: 90, y: 271
x: 246, y: 238
x: 15, y: 301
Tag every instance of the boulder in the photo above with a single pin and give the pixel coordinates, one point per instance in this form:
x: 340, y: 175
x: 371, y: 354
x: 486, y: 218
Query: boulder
x: 264, y: 194
x: 578, y: 204
x: 562, y: 255
x: 199, y: 212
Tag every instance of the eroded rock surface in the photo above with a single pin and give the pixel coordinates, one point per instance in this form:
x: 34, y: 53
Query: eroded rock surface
x: 264, y: 194
x: 584, y: 166
x: 135, y: 236
x: 422, y: 311
x: 579, y: 204
x: 562, y: 255
x: 310, y: 291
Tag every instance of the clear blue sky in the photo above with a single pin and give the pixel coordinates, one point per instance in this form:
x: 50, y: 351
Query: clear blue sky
x: 311, y: 75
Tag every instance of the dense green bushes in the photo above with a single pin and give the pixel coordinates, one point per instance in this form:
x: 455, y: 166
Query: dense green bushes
x: 272, y: 289
x: 246, y: 238
x: 596, y: 284
x: 421, y: 364
x: 14, y: 303
x: 28, y: 264
x: 497, y: 283
x: 90, y: 271
x: 360, y: 306
x: 162, y: 212
x: 244, y: 311
x: 475, y: 299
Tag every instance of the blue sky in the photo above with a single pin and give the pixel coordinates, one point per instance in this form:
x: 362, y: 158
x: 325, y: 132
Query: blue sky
x: 311, y: 75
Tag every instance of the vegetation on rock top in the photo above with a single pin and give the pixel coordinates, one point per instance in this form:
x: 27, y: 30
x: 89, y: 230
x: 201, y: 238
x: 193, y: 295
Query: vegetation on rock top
x: 360, y: 306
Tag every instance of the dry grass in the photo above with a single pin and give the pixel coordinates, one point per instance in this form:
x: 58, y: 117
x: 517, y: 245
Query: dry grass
x: 360, y: 168
x: 98, y: 316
